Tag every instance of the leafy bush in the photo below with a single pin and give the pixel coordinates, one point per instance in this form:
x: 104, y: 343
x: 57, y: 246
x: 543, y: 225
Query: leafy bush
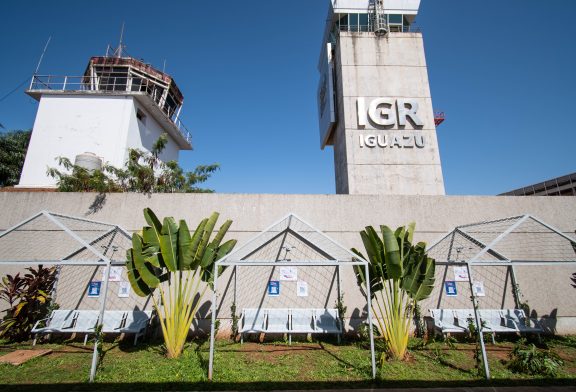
x: 29, y: 300
x: 143, y: 172
x: 528, y: 359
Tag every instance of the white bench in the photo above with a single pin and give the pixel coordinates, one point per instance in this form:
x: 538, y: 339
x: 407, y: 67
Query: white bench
x: 492, y: 320
x: 289, y: 321
x: 84, y: 322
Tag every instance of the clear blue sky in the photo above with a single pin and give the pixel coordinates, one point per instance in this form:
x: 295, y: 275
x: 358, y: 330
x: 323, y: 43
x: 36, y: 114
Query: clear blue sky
x: 503, y: 71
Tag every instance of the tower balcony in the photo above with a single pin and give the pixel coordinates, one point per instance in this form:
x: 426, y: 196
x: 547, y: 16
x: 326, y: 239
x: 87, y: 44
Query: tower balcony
x: 115, y: 76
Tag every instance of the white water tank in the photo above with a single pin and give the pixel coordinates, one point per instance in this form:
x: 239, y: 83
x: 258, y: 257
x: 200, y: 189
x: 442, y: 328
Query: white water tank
x: 88, y: 161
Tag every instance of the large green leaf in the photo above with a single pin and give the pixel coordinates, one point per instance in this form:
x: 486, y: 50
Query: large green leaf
x: 394, y: 264
x: 138, y: 286
x: 169, y: 244
x: 155, y: 224
x: 207, y: 232
x: 145, y: 270
x: 221, y: 233
x: 196, y: 238
x: 225, y: 248
x: 185, y: 256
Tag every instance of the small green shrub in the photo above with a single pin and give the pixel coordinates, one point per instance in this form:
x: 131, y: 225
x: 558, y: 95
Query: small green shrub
x: 235, y: 320
x: 29, y: 300
x: 530, y: 360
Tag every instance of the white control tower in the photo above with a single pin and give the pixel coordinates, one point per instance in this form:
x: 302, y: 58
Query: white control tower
x: 119, y: 103
x: 374, y: 100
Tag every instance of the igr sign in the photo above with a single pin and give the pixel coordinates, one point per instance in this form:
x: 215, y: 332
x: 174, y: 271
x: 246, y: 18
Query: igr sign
x: 387, y: 112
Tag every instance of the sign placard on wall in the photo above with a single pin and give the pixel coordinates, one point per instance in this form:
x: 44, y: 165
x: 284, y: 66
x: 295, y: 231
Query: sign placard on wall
x: 461, y: 274
x: 289, y: 273
x: 479, y: 289
x: 124, y: 290
x: 302, y: 289
x: 450, y: 287
x: 273, y: 288
x: 115, y: 274
x: 94, y: 289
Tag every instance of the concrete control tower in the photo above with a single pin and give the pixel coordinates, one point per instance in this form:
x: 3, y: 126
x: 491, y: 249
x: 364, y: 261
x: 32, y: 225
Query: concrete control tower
x: 119, y: 103
x: 374, y: 100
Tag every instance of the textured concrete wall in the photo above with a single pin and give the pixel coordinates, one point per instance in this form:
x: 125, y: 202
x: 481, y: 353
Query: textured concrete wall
x: 387, y: 67
x: 547, y: 289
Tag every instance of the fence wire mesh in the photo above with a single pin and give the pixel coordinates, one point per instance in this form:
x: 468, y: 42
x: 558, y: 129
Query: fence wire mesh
x: 77, y: 251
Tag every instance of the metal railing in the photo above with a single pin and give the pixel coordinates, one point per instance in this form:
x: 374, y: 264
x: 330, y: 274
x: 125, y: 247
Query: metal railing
x: 159, y: 94
x: 392, y: 28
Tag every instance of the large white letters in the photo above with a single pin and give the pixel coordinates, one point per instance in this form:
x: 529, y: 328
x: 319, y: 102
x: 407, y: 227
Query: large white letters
x: 381, y: 111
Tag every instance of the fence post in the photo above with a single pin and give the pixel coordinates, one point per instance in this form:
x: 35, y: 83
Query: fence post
x: 478, y: 323
x: 100, y: 322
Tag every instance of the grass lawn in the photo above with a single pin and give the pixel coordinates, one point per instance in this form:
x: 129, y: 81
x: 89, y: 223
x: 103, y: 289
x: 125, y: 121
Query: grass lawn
x: 268, y: 366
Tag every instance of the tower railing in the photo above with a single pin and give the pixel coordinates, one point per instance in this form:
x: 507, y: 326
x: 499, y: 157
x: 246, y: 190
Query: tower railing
x: 114, y: 84
x: 370, y: 28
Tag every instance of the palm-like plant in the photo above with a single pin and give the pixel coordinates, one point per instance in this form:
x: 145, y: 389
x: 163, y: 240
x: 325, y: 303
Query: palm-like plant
x: 168, y: 252
x: 401, y: 274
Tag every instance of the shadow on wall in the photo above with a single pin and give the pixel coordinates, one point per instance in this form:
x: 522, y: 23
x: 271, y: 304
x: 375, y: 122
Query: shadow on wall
x: 97, y: 204
x: 547, y: 322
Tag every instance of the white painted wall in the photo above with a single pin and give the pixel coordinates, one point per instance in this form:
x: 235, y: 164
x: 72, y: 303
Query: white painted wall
x: 68, y: 125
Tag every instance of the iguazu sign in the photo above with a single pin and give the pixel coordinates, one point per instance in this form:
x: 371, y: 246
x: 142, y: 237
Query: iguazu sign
x: 387, y: 113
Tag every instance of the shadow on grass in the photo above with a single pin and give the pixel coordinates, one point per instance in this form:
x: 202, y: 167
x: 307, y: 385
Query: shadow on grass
x: 262, y: 386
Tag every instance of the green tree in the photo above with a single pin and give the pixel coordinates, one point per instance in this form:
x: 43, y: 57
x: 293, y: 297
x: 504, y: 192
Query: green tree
x: 143, y: 172
x: 401, y: 274
x: 13, y: 147
x: 179, y: 264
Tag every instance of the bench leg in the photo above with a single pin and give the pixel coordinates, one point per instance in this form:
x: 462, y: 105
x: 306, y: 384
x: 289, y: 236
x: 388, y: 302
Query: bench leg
x: 289, y: 338
x: 85, y: 339
x: 493, y: 338
x: 34, y: 342
x: 242, y: 338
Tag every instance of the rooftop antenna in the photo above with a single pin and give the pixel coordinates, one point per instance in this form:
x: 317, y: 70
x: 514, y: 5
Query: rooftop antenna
x: 119, y: 52
x: 42, y: 56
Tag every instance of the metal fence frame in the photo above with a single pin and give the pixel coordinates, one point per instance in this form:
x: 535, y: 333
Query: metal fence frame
x: 228, y: 261
x: 100, y: 260
x: 503, y: 261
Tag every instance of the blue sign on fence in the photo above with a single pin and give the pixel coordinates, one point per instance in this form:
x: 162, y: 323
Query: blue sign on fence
x: 94, y: 289
x: 450, y: 287
x: 273, y: 288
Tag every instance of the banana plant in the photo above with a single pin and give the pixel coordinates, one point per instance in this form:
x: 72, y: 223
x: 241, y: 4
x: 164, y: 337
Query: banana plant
x: 168, y: 258
x: 401, y: 274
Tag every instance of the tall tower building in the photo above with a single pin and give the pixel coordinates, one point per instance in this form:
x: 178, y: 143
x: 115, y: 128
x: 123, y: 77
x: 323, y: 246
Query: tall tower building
x: 374, y: 100
x: 119, y: 103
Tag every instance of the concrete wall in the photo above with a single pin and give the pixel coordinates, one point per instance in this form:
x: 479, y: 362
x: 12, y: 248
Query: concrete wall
x: 548, y: 290
x: 68, y: 125
x: 387, y: 67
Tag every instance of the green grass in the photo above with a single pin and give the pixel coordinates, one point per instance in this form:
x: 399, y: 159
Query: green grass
x: 269, y: 366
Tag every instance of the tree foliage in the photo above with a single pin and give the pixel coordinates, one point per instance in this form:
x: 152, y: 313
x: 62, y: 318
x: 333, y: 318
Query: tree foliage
x: 143, y: 172
x: 13, y: 147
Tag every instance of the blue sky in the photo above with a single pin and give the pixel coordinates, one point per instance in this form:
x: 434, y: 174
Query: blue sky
x: 503, y: 71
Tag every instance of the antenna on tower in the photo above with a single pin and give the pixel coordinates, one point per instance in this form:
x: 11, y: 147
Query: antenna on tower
x: 42, y: 56
x: 120, y: 44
